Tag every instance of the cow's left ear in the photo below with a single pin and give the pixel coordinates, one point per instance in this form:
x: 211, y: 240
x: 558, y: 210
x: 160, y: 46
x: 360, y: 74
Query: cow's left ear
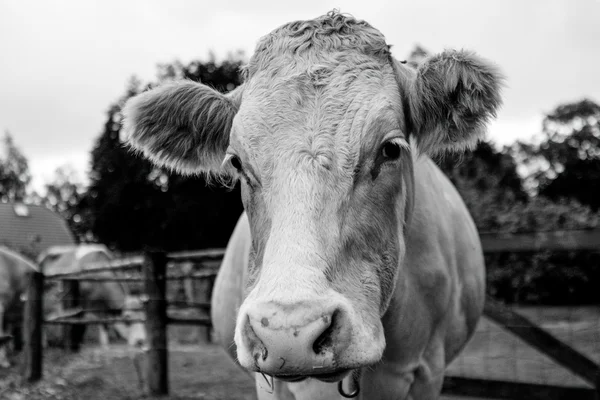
x: 452, y: 98
x: 181, y: 125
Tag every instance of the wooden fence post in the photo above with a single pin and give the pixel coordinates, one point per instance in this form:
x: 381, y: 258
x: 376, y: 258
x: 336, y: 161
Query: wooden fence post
x: 210, y: 283
x: 33, y: 321
x: 202, y: 290
x: 157, y: 375
x: 72, y: 334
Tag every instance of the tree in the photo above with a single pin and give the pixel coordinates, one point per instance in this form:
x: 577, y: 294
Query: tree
x: 125, y: 204
x: 417, y: 56
x: 487, y: 180
x: 64, y: 194
x: 566, y: 163
x: 131, y: 204
x: 544, y: 277
x: 14, y: 171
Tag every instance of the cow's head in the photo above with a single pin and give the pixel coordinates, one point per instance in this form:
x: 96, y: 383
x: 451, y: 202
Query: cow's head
x: 134, y: 330
x: 318, y: 136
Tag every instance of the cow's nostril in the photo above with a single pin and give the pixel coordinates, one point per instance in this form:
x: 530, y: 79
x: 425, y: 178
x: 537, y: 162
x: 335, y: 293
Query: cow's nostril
x: 325, y: 340
x: 259, y: 350
x: 140, y: 343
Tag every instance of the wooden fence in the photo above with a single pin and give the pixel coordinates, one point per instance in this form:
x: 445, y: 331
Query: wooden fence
x: 526, y: 330
x: 151, y: 270
x: 155, y: 277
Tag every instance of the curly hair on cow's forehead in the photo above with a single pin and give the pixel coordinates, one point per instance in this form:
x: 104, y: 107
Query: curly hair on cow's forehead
x: 332, y: 32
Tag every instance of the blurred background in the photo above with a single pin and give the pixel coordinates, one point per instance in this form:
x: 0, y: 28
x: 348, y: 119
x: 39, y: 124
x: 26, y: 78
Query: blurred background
x: 66, y: 68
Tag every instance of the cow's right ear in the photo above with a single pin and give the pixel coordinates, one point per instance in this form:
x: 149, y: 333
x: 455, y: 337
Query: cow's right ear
x: 184, y: 125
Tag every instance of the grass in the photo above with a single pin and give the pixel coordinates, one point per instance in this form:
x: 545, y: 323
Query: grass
x: 196, y: 372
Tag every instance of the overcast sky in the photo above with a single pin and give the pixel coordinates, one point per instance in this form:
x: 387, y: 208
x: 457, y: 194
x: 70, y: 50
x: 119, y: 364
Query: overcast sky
x: 62, y: 63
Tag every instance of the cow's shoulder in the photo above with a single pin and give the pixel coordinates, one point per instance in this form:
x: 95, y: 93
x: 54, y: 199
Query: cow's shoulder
x: 444, y: 254
x: 440, y: 218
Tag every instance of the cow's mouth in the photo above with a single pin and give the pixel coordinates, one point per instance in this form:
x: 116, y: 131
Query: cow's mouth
x: 329, y: 377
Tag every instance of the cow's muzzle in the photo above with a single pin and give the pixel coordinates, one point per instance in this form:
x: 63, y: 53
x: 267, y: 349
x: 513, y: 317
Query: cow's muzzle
x: 292, y: 341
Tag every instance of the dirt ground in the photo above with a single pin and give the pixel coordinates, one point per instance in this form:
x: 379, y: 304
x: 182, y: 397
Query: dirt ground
x: 205, y: 372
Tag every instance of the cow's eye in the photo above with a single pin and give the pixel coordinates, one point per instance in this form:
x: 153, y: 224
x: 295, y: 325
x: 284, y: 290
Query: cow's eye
x: 236, y: 163
x: 391, y: 150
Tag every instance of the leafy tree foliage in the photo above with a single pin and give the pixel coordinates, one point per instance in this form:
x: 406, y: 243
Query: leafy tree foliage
x: 545, y: 277
x: 132, y: 205
x: 63, y: 195
x: 488, y: 182
x: 566, y: 164
x: 14, y: 171
x: 417, y: 56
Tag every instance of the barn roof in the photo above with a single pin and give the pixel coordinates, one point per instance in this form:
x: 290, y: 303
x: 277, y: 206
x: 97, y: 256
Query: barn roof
x: 32, y: 227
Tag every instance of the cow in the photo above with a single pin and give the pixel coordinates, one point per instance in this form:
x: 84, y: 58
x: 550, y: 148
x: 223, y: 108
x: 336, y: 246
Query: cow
x: 355, y: 269
x: 97, y: 298
x: 14, y: 274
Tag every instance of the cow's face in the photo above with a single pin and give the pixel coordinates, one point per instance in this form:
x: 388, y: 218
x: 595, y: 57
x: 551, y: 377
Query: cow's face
x: 324, y: 162
x: 319, y: 138
x: 134, y: 330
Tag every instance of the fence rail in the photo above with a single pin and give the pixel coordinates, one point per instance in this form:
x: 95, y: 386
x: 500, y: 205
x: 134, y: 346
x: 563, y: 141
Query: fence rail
x: 84, y: 277
x: 197, y: 255
x: 124, y: 264
x: 539, y: 241
x: 155, y: 273
x: 537, y: 337
x: 137, y: 261
x: 113, y: 320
